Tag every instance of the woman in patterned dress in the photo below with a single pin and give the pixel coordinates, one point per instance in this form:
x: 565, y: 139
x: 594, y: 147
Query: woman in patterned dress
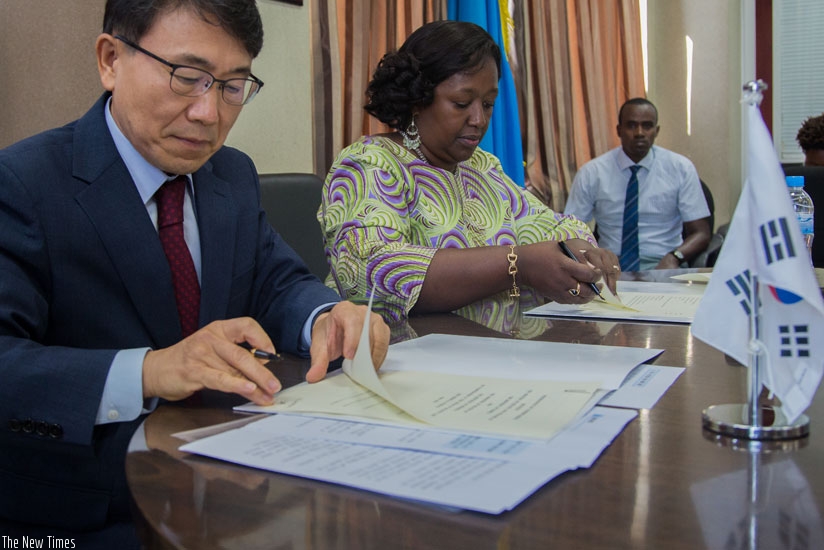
x: 424, y: 216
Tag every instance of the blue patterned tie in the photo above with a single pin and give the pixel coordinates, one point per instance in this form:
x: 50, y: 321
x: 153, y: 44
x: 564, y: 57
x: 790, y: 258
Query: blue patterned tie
x: 630, y: 260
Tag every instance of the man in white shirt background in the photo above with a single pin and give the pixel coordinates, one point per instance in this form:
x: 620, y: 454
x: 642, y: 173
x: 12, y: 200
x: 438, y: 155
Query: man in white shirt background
x: 667, y: 222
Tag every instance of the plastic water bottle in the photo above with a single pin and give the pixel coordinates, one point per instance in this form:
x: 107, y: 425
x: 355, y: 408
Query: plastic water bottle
x: 804, y: 210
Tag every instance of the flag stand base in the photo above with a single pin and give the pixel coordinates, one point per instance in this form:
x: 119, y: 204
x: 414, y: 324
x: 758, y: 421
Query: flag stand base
x: 732, y: 419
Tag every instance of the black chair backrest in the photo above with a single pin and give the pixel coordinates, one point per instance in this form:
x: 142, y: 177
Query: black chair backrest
x: 291, y: 204
x: 814, y: 186
x: 710, y: 204
x: 706, y: 258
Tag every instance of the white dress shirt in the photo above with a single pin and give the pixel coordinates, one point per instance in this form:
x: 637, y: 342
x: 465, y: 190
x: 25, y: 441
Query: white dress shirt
x: 669, y: 194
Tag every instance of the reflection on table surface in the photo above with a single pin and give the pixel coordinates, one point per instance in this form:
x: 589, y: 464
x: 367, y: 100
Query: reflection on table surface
x: 663, y: 483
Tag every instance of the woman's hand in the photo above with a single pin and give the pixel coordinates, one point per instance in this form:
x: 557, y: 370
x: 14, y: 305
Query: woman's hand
x: 545, y: 267
x: 601, y: 258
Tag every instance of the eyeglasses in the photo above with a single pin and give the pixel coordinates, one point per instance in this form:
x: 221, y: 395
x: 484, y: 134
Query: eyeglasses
x: 193, y: 82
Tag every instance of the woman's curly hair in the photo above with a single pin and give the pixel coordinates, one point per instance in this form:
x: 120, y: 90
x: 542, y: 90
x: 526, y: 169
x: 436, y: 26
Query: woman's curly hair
x: 811, y: 134
x: 407, y: 78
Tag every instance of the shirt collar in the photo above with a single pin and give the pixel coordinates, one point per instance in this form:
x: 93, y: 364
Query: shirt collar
x: 147, y: 178
x: 624, y: 162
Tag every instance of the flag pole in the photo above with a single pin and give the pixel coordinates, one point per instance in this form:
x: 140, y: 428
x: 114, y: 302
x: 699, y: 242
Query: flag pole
x: 748, y: 421
x: 756, y: 355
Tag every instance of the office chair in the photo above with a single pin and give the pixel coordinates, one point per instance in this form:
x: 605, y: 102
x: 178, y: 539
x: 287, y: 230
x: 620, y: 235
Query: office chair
x: 291, y: 202
x: 710, y: 204
x: 710, y: 254
x: 814, y: 186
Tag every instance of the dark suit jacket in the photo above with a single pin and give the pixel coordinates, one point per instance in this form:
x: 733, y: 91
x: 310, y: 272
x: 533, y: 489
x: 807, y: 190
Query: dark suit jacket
x: 83, y: 275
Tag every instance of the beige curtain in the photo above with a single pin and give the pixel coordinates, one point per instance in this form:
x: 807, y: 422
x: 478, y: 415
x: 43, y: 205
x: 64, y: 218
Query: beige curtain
x: 577, y: 61
x: 349, y: 37
x: 574, y: 62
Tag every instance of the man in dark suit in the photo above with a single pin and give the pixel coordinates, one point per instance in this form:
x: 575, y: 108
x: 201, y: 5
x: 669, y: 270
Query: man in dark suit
x: 101, y: 314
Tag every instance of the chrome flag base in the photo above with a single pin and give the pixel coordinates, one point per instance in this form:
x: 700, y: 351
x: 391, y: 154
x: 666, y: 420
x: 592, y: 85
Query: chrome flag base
x: 732, y: 420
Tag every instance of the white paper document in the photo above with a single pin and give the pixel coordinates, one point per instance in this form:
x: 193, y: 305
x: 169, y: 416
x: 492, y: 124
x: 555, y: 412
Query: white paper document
x: 485, y: 474
x: 610, y: 299
x: 457, y: 421
x: 657, y: 302
x: 517, y: 359
x: 643, y: 387
x: 695, y: 278
x: 519, y: 388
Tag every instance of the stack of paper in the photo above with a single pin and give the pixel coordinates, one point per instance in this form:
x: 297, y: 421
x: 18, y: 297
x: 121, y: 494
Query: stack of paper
x: 463, y: 421
x: 472, y: 472
x: 486, y: 385
x: 644, y: 301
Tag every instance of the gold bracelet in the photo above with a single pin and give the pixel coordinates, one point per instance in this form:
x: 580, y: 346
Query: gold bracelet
x: 513, y: 270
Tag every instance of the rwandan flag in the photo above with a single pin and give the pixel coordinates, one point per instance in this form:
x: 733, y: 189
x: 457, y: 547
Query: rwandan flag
x: 503, y: 138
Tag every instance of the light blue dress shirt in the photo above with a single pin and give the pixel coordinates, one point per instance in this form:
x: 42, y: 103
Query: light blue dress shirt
x: 669, y: 194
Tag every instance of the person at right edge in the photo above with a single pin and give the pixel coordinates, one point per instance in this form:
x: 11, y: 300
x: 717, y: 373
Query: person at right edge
x: 670, y: 225
x: 811, y: 139
x: 427, y: 216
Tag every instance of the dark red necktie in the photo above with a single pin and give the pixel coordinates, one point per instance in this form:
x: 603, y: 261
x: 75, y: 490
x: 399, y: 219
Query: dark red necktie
x: 169, y: 200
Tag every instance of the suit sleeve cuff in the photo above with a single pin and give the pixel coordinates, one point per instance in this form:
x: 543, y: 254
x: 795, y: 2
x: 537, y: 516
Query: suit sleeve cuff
x: 122, y: 399
x: 306, y: 335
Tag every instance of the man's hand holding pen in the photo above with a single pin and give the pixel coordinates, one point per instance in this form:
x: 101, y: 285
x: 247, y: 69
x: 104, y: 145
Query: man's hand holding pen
x: 212, y: 359
x: 261, y: 354
x: 230, y: 355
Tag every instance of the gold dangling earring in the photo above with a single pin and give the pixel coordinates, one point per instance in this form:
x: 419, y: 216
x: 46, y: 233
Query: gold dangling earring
x: 411, y: 138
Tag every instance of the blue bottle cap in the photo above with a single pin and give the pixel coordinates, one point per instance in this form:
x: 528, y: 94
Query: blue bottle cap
x: 795, y: 181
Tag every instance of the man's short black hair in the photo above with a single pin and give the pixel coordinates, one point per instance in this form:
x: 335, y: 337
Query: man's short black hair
x: 811, y: 134
x: 239, y: 18
x: 637, y: 101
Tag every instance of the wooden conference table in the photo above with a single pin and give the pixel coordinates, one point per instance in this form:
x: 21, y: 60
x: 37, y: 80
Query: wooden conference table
x: 663, y: 482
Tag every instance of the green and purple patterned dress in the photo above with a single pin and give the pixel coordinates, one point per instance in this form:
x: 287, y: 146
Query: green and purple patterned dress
x: 385, y: 213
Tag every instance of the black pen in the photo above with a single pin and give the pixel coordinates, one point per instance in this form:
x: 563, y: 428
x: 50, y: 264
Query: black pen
x: 568, y: 253
x: 260, y: 354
